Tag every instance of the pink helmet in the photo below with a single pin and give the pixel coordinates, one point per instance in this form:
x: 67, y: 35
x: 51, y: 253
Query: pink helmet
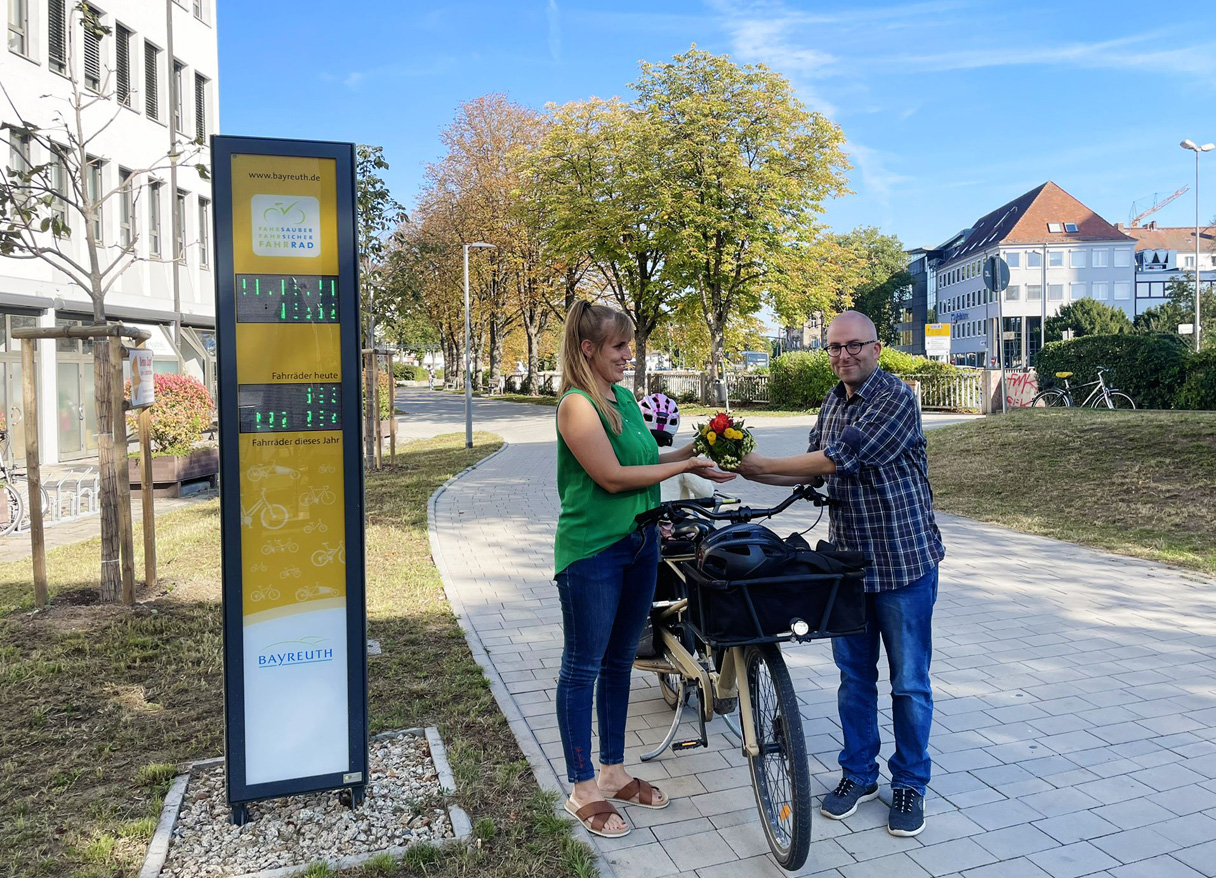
x: 662, y: 416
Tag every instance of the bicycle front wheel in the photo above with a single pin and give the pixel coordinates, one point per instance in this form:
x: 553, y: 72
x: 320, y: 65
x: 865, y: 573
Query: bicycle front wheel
x: 12, y: 509
x: 781, y: 777
x: 1118, y: 400
x: 1051, y: 399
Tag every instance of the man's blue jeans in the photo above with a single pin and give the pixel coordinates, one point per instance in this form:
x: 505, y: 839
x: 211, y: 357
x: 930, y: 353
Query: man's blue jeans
x: 605, y: 600
x: 903, y: 619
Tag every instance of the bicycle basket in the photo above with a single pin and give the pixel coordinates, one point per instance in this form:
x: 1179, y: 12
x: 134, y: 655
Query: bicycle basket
x: 824, y: 588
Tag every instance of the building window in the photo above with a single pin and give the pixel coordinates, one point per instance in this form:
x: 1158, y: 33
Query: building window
x: 122, y: 59
x: 1034, y: 292
x: 126, y: 208
x: 1055, y: 292
x: 1013, y: 293
x: 1013, y: 342
x: 19, y: 27
x: 57, y: 35
x: 91, y: 24
x: 1034, y: 259
x: 1034, y: 336
x: 92, y: 196
x: 1076, y: 259
x: 151, y: 81
x: 199, y: 10
x: 18, y: 154
x: 1122, y: 290
x: 179, y: 100
x: 1101, y: 289
x: 204, y: 232
x: 1013, y: 260
x: 1078, y: 291
x: 1055, y: 228
x: 200, y: 107
x: 1101, y: 258
x: 179, y: 218
x: 1071, y: 228
x: 1123, y: 258
x: 59, y: 184
x: 1188, y: 262
x: 154, y: 218
x: 1055, y: 259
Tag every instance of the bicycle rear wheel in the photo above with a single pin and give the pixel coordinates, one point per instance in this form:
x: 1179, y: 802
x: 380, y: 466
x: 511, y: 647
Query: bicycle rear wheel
x: 12, y: 509
x: 1051, y: 399
x: 1118, y: 400
x: 781, y: 777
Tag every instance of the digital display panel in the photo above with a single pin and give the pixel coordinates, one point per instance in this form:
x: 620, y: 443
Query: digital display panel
x: 284, y: 298
x: 289, y: 408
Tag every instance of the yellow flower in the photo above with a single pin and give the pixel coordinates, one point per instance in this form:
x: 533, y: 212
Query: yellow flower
x: 711, y: 437
x: 732, y: 433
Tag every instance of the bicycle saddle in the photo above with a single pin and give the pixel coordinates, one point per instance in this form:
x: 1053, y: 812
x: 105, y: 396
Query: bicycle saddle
x: 1063, y: 374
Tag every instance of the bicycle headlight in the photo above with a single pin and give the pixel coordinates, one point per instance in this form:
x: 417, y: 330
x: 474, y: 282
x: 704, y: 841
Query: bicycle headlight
x: 800, y: 628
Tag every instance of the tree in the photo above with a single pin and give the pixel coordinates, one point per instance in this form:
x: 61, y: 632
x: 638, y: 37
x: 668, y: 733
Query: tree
x: 747, y: 168
x: 43, y: 202
x: 879, y: 293
x: 608, y: 202
x: 1087, y: 317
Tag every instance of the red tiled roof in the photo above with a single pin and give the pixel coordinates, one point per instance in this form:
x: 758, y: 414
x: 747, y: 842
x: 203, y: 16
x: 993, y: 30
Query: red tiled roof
x: 1180, y: 238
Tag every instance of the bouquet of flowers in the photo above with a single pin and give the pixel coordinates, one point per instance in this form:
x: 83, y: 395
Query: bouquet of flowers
x: 723, y: 440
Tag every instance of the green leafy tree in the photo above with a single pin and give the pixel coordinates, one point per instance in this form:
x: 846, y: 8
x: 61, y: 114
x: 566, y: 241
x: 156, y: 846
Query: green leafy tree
x: 1181, y: 295
x: 747, y: 168
x: 1087, y: 317
x: 884, y: 278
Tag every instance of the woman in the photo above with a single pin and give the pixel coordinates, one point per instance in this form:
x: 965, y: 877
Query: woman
x: 608, y: 470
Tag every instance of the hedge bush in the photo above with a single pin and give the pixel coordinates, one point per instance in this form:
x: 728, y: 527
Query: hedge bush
x: 801, y: 379
x: 1199, y: 389
x: 410, y: 372
x: 1149, y: 368
x: 181, y: 412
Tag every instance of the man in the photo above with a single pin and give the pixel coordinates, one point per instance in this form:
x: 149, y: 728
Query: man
x: 869, y: 446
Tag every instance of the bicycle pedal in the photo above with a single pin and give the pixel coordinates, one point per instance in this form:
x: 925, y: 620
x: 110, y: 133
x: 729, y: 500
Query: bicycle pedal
x: 692, y: 744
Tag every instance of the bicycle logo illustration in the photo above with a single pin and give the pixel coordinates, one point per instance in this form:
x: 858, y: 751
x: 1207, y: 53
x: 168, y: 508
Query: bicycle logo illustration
x: 289, y: 572
x: 315, y: 591
x: 257, y: 473
x: 327, y: 468
x: 324, y: 496
x: 280, y: 546
x: 272, y: 515
x: 319, y: 526
x: 326, y: 555
x: 264, y: 593
x: 289, y: 214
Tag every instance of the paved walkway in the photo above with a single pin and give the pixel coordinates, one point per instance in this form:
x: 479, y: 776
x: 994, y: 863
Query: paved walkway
x: 1075, y: 730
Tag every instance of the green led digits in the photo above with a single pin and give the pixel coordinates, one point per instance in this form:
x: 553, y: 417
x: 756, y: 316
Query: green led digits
x: 286, y: 408
x: 286, y: 299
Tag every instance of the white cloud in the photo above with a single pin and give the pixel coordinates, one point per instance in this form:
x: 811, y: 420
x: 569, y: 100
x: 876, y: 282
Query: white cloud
x: 555, y: 31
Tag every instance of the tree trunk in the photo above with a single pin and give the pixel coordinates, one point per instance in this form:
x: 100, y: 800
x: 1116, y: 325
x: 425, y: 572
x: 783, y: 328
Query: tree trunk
x: 641, y: 338
x: 111, y: 567
x: 496, y: 349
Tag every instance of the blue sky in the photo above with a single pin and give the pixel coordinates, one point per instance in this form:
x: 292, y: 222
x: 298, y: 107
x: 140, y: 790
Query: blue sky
x: 950, y: 108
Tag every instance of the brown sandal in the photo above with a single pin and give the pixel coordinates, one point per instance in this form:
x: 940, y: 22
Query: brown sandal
x: 638, y: 792
x: 594, y: 815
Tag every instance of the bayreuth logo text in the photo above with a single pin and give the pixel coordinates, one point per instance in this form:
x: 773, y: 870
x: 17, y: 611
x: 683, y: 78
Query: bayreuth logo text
x: 286, y: 225
x: 305, y: 651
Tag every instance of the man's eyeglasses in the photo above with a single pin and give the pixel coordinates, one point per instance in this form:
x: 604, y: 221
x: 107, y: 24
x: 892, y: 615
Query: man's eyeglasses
x: 853, y: 347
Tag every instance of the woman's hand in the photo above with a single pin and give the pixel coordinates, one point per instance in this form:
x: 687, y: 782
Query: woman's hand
x: 707, y: 469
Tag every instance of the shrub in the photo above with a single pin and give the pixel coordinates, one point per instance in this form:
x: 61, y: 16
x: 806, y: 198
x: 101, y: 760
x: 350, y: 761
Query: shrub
x: 386, y: 395
x: 800, y: 380
x: 1149, y: 368
x: 1199, y: 390
x: 410, y: 372
x: 181, y: 412
x: 904, y: 364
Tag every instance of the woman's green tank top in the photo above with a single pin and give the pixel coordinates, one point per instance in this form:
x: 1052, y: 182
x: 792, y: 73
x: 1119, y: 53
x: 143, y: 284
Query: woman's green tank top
x: 592, y: 519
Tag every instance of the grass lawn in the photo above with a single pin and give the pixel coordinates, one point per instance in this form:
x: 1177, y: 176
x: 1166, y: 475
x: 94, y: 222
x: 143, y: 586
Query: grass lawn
x: 1136, y: 483
x: 102, y: 703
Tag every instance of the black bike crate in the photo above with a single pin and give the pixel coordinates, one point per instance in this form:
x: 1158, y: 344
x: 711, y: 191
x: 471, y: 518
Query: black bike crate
x: 757, y: 610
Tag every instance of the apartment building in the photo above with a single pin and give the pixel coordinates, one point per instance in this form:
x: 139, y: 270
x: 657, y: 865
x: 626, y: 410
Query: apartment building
x: 153, y: 71
x: 1058, y: 251
x: 1167, y: 253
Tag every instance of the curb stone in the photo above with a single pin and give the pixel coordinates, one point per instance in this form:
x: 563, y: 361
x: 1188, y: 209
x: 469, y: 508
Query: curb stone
x: 158, y: 848
x: 542, y: 770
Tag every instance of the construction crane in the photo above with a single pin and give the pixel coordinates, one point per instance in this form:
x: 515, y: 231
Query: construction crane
x: 1156, y: 207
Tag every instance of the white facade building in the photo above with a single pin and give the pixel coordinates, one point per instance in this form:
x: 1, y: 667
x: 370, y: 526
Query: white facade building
x: 1058, y: 251
x: 138, y: 64
x: 1165, y: 254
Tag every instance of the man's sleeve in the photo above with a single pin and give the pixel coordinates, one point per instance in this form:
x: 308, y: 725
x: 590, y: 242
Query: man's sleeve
x: 814, y: 438
x: 886, y: 430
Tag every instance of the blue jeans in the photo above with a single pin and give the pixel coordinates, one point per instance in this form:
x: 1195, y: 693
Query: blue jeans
x: 903, y: 619
x: 605, y: 601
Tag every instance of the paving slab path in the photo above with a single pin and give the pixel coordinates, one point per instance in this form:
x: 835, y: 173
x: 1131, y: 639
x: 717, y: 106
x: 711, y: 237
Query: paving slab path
x: 1075, y: 729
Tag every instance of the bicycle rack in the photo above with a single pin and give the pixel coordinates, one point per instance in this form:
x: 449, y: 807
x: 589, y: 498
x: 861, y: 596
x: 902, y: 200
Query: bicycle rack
x: 73, y: 495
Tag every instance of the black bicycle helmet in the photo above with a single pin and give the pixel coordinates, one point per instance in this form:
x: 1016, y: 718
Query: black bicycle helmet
x: 742, y: 551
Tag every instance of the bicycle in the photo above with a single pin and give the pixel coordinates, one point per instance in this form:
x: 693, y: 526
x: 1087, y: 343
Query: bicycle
x: 273, y: 515
x: 326, y: 555
x: 13, y: 505
x: 1101, y: 396
x: 720, y: 638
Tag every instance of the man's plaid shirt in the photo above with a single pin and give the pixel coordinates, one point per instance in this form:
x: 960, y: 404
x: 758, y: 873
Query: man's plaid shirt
x: 881, y: 479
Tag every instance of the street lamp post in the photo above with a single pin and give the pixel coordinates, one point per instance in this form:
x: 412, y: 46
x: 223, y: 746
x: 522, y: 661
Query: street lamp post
x: 1207, y: 147
x: 468, y: 361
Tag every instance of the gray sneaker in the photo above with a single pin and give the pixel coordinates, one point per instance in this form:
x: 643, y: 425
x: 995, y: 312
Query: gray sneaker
x: 843, y: 801
x: 907, y: 816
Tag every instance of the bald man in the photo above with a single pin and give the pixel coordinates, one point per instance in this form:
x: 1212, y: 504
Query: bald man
x: 869, y: 447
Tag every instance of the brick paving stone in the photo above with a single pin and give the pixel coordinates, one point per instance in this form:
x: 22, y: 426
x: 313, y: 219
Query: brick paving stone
x: 954, y: 855
x: 1042, y: 645
x: 1073, y: 860
x: 1163, y: 867
x: 884, y: 867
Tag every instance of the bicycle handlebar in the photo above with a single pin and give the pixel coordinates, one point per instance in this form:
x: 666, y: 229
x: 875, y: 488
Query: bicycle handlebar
x: 700, y: 507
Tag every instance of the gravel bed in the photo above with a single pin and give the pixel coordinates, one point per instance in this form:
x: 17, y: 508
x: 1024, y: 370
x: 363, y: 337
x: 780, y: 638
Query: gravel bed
x: 403, y: 806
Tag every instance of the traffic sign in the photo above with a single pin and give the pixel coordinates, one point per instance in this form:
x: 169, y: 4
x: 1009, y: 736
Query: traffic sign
x: 996, y: 274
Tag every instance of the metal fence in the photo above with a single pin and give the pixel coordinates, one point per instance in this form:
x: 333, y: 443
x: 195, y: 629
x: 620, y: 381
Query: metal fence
x: 958, y: 392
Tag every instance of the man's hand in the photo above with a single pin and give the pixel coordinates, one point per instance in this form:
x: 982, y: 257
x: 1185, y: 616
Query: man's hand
x: 751, y: 466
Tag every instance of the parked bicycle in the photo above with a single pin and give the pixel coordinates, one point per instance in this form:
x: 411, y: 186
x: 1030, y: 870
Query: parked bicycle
x: 726, y: 599
x: 1100, y: 397
x: 13, y: 503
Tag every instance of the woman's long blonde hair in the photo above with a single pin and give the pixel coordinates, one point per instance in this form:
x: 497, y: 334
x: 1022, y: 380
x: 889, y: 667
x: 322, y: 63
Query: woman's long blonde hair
x: 600, y: 325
